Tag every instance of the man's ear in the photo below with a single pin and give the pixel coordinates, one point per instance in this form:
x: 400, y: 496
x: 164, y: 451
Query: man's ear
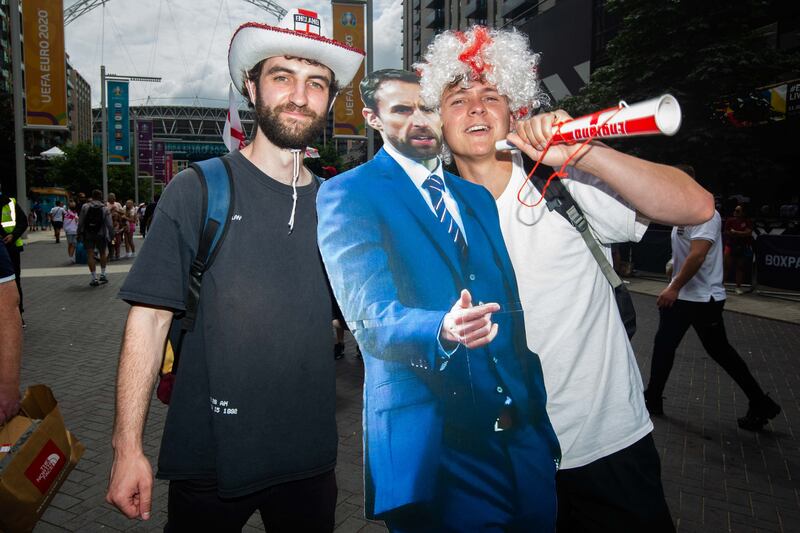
x: 512, y: 123
x: 251, y: 90
x: 372, y: 118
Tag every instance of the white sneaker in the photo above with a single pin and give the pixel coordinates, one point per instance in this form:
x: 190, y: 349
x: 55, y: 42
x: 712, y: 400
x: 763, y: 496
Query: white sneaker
x: 739, y: 291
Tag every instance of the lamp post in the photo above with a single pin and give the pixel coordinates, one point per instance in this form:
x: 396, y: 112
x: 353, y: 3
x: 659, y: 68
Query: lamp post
x: 103, y: 119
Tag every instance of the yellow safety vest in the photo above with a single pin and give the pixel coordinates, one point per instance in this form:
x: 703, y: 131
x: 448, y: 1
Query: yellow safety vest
x: 9, y: 219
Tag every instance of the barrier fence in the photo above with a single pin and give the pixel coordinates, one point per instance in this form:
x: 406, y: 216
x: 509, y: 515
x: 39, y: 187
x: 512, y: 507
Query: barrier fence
x: 776, y: 261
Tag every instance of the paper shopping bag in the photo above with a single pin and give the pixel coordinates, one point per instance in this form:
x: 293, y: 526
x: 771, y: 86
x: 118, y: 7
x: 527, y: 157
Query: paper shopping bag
x: 36, y: 454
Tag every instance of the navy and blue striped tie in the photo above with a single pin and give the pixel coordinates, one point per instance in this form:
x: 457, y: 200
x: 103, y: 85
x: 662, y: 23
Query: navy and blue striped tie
x: 435, y: 187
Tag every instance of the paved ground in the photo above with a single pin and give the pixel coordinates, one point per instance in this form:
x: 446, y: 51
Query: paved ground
x: 717, y: 477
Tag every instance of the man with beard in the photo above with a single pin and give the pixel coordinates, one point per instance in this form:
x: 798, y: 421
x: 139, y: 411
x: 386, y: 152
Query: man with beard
x: 456, y: 435
x: 251, y: 423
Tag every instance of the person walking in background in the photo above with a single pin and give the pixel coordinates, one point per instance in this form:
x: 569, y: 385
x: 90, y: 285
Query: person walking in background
x: 71, y: 216
x: 95, y: 232
x: 140, y: 218
x: 57, y: 219
x: 117, y: 236
x: 149, y: 213
x: 738, y: 245
x: 129, y: 219
x: 695, y: 297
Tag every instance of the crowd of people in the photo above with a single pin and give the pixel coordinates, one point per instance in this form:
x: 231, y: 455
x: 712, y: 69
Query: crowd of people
x: 501, y: 390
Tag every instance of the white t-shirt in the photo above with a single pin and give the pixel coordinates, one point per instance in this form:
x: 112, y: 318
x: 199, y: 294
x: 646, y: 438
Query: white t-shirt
x: 707, y: 283
x: 70, y: 222
x: 594, y: 389
x: 57, y: 214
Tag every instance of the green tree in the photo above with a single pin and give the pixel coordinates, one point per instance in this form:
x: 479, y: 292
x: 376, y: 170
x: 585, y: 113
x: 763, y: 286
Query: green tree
x: 80, y: 170
x: 704, y: 53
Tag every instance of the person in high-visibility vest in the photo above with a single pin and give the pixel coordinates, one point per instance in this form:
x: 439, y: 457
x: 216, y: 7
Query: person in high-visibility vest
x: 14, y: 223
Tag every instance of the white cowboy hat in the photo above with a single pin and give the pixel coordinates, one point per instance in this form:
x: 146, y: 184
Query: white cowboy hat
x: 300, y: 34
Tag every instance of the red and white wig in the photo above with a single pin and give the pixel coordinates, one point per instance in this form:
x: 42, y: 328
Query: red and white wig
x: 500, y: 57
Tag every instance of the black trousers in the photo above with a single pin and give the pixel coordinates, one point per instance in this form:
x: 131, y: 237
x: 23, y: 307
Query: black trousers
x: 14, y: 254
x: 620, y: 492
x: 307, y: 505
x: 706, y: 318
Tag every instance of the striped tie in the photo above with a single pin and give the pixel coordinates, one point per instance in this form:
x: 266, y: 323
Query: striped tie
x: 435, y: 187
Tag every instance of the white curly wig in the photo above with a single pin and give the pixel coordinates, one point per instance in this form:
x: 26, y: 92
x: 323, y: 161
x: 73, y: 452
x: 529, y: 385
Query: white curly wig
x: 501, y: 57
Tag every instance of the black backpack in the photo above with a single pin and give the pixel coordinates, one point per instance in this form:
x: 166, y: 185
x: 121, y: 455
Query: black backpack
x: 94, y: 219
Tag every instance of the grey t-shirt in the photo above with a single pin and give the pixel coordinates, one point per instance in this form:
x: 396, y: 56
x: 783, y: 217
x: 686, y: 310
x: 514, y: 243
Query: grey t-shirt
x: 255, y: 394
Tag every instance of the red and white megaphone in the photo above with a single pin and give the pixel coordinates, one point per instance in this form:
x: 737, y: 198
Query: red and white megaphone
x: 660, y: 115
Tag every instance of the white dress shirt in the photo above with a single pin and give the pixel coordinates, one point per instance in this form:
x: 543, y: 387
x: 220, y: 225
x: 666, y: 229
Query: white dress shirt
x: 418, y: 172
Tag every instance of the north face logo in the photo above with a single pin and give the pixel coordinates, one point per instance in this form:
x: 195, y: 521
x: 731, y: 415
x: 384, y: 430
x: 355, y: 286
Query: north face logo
x: 44, y: 469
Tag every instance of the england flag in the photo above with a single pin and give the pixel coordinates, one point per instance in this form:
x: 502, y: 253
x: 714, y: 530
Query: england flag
x: 233, y: 134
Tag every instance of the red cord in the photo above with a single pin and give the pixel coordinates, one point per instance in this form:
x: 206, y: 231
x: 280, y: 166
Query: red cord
x: 560, y: 173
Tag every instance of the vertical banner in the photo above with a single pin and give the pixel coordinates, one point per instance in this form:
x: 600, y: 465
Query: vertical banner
x: 168, y: 170
x: 159, y: 156
x: 144, y: 133
x: 793, y: 100
x: 45, y: 63
x: 119, y: 142
x: 349, y: 27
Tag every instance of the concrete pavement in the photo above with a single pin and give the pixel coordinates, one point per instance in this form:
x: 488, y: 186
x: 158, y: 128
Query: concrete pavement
x: 716, y: 476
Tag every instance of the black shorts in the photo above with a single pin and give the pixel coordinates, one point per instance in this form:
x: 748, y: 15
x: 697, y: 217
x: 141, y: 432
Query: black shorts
x: 97, y: 242
x: 57, y: 224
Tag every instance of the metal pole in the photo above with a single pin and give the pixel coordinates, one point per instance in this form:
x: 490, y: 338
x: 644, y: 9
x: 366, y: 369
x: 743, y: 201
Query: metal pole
x: 370, y: 49
x: 103, y: 130
x: 136, y: 160
x: 19, y: 134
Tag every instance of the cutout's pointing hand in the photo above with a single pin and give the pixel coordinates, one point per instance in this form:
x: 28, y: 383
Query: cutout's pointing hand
x: 469, y: 325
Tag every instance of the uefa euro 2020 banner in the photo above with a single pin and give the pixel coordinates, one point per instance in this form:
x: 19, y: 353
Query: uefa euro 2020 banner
x: 349, y: 25
x: 45, y: 63
x: 118, y: 128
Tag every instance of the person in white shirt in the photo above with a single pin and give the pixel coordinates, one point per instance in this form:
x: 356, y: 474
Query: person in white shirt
x: 484, y: 83
x: 695, y: 297
x: 71, y: 229
x: 57, y: 218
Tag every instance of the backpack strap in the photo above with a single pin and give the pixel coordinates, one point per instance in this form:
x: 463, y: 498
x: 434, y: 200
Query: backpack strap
x: 217, y: 185
x: 559, y: 199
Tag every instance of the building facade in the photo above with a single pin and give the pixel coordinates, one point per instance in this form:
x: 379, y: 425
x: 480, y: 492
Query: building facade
x: 79, y: 103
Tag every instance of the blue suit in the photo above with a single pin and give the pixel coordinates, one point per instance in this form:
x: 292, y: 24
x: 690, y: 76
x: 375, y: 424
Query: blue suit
x: 395, y: 273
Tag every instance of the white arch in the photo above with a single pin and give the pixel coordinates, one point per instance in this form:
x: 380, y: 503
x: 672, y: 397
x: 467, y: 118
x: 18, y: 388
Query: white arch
x: 82, y: 7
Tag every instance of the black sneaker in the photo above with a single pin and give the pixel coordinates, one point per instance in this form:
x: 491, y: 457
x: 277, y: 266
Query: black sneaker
x: 338, y: 350
x: 655, y: 405
x: 102, y: 278
x: 94, y: 283
x: 759, y: 413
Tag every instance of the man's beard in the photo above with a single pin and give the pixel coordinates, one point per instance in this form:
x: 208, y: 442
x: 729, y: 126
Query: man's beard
x: 288, y: 136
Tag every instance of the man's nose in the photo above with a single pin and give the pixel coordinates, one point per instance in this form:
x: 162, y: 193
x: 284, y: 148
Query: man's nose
x: 476, y: 107
x: 299, y: 96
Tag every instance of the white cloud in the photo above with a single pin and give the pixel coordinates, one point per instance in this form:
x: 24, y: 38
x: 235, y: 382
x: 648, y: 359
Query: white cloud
x: 185, y: 42
x: 388, y: 24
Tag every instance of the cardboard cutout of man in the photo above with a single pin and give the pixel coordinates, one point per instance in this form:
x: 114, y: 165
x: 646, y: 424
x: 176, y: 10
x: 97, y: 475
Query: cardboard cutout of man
x: 456, y: 437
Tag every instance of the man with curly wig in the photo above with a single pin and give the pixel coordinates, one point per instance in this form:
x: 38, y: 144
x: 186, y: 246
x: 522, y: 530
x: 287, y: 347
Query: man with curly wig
x: 484, y: 83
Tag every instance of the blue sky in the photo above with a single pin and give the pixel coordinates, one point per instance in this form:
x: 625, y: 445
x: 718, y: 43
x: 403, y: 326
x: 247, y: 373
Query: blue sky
x: 188, y: 47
